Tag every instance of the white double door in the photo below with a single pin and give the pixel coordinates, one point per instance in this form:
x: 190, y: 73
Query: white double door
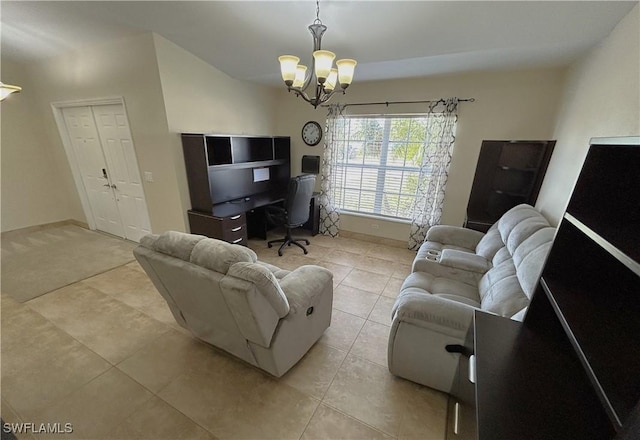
x: 105, y: 158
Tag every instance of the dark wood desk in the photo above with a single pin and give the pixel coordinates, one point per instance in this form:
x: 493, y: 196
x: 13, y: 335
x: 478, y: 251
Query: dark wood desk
x: 247, y: 204
x: 239, y: 220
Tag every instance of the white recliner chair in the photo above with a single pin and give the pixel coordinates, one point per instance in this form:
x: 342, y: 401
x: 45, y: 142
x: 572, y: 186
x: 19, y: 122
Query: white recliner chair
x: 257, y: 312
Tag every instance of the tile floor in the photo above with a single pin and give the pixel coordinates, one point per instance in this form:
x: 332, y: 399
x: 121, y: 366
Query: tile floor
x: 106, y: 355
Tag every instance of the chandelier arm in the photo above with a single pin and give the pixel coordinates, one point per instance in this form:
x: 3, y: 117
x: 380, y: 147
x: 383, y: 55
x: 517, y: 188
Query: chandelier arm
x: 302, y: 95
x: 319, y: 93
x: 312, y: 74
x: 328, y: 96
x: 321, y: 96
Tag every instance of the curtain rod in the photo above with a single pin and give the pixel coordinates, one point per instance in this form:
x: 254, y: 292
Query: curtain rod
x: 387, y: 103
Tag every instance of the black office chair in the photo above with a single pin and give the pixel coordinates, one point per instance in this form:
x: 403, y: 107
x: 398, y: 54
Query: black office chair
x: 295, y: 211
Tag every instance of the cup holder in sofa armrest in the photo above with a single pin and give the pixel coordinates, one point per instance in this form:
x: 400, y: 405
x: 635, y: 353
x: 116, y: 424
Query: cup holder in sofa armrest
x: 433, y: 255
x: 464, y: 260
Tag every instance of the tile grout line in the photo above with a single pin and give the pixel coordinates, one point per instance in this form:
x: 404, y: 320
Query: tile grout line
x: 360, y: 421
x: 320, y: 401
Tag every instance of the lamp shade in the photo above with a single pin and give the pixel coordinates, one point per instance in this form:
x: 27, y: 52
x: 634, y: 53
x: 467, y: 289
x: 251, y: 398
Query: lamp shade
x: 301, y: 74
x: 324, y: 62
x: 332, y: 79
x: 346, y: 67
x: 288, y: 65
x: 6, y: 90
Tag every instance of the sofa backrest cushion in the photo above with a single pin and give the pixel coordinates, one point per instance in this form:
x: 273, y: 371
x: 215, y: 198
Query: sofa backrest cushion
x: 219, y: 256
x: 515, y: 226
x: 266, y: 283
x: 490, y: 243
x: 530, y: 256
x: 524, y: 230
x: 509, y: 285
x: 500, y: 290
x: 173, y: 243
x: 501, y: 256
x: 513, y: 217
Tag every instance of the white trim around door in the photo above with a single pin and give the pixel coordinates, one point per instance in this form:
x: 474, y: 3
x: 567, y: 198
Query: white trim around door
x: 129, y: 195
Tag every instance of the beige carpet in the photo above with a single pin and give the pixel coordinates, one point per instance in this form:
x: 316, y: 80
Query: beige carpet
x: 39, y: 262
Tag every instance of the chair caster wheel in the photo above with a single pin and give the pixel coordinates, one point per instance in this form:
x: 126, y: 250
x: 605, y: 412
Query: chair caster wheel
x: 269, y: 245
x: 279, y: 254
x: 306, y: 251
x: 307, y: 242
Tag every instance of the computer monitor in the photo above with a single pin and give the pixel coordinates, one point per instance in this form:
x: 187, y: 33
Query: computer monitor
x: 311, y: 164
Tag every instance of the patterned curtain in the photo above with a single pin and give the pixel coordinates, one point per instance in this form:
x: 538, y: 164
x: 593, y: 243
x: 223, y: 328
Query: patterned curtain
x: 329, y: 212
x: 434, y: 170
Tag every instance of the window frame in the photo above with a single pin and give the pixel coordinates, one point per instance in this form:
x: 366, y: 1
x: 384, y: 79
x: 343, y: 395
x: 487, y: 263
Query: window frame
x: 379, y: 191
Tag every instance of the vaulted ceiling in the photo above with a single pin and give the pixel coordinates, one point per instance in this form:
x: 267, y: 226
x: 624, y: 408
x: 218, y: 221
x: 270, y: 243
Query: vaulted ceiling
x: 390, y: 39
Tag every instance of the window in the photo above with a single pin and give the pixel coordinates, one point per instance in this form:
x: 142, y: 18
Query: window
x: 378, y: 163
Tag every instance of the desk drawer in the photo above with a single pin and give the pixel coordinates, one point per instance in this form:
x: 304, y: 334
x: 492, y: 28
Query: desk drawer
x: 234, y: 221
x: 237, y: 235
x: 232, y: 229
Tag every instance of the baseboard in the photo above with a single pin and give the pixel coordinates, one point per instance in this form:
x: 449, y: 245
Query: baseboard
x: 30, y: 229
x: 374, y: 239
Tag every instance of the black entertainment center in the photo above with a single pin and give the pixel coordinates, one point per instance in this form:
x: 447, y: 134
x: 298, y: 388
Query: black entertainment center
x: 231, y: 179
x: 570, y: 370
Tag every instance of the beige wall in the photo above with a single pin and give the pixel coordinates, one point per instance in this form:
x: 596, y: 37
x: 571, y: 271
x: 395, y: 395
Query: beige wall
x: 601, y: 99
x: 35, y: 187
x: 126, y: 68
x: 199, y: 98
x: 509, y: 105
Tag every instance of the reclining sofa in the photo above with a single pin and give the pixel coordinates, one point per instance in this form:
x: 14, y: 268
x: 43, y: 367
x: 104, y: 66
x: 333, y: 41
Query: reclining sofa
x: 455, y: 272
x: 259, y: 313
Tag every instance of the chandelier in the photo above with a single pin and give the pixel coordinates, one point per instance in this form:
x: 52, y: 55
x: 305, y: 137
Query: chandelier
x: 325, y: 79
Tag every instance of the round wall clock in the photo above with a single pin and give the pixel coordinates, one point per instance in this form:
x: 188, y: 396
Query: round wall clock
x: 311, y: 133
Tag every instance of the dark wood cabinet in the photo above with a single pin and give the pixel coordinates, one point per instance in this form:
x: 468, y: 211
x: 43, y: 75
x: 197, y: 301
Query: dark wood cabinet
x: 570, y: 370
x: 229, y: 168
x: 508, y: 173
x: 232, y: 229
x: 230, y: 176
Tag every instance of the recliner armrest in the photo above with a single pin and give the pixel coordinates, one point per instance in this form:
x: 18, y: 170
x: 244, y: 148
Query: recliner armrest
x: 303, y: 285
x: 455, y: 236
x: 433, y: 312
x: 465, y: 260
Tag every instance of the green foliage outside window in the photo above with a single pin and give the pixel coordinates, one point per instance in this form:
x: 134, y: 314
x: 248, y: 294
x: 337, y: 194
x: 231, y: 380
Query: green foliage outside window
x: 379, y: 163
